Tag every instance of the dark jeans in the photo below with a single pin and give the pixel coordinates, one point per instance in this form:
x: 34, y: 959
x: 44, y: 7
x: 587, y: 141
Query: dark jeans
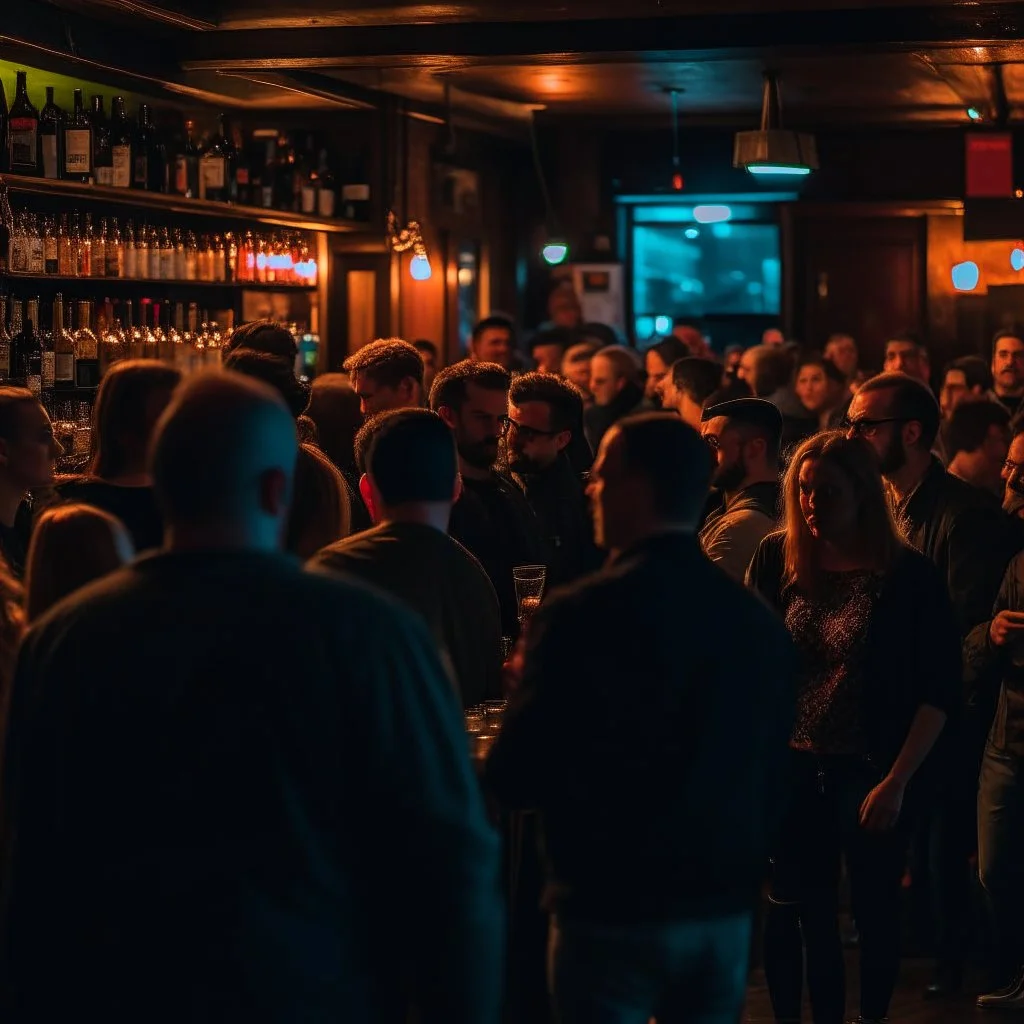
x: 686, y: 972
x: 1001, y: 855
x: 820, y: 826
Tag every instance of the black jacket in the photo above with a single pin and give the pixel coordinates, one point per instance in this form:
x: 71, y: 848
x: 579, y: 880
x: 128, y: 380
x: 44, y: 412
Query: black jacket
x: 913, y: 648
x: 235, y: 791
x: 653, y: 750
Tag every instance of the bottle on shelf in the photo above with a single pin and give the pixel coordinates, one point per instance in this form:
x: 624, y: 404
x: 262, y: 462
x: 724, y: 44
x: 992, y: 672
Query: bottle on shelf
x: 325, y: 196
x: 115, y: 252
x: 99, y: 250
x: 213, y: 167
x: 18, y: 354
x: 5, y: 153
x: 51, y: 262
x: 153, y: 270
x: 6, y: 216
x: 121, y: 147
x: 63, y: 346
x: 51, y: 137
x: 128, y: 246
x: 33, y: 352
x: 142, y: 251
x: 102, y: 155
x: 267, y: 172
x: 23, y: 131
x: 113, y: 343
x: 149, y: 334
x: 180, y: 256
x: 65, y: 250
x: 242, y: 190
x: 17, y: 251
x: 5, y: 343
x: 186, y: 165
x: 144, y: 140
x: 46, y: 343
x: 355, y: 194
x: 82, y: 243
x: 36, y: 262
x: 191, y: 258
x: 162, y: 332
x: 78, y: 144
x: 166, y: 256
x: 87, y: 364
x: 306, y: 179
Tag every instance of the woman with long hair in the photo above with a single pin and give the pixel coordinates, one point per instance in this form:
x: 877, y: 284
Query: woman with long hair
x: 320, y: 506
x: 131, y: 398
x: 72, y: 545
x: 879, y: 671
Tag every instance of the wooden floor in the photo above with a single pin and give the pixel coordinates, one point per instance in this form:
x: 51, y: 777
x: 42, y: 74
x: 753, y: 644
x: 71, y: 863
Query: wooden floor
x: 907, y: 1008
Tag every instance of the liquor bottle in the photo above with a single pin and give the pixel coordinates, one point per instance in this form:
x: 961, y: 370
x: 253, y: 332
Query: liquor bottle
x: 102, y: 157
x: 17, y: 340
x: 115, y: 252
x: 130, y: 252
x: 99, y: 250
x: 5, y: 153
x: 241, y: 192
x: 23, y: 131
x: 33, y: 353
x: 132, y: 333
x: 51, y: 137
x: 355, y: 194
x: 36, y: 263
x: 65, y: 250
x: 165, y: 335
x: 120, y: 144
x: 219, y: 259
x: 78, y: 144
x: 213, y: 168
x: 166, y: 256
x: 180, y: 257
x: 191, y: 258
x: 149, y: 334
x: 268, y: 174
x: 5, y: 343
x: 142, y: 251
x: 81, y: 240
x: 46, y: 351
x: 113, y: 343
x: 144, y: 140
x: 306, y: 179
x: 51, y: 264
x: 325, y: 191
x: 63, y: 345
x: 230, y: 257
x: 17, y: 253
x: 154, y: 255
x: 186, y: 165
x: 87, y: 364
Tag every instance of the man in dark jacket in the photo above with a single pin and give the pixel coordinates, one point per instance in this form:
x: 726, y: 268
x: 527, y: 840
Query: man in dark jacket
x: 544, y: 415
x: 961, y: 530
x: 233, y: 790
x: 656, y: 838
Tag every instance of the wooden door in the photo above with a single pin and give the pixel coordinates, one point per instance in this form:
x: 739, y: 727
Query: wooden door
x: 359, y: 307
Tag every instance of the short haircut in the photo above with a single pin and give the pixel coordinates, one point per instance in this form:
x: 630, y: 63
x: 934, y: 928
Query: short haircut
x: 773, y: 369
x: 387, y: 361
x: 263, y: 336
x: 320, y: 512
x: 1009, y: 331
x: 410, y: 454
x: 911, y: 400
x: 831, y: 371
x: 600, y: 335
x: 697, y: 378
x: 669, y: 350
x: 490, y: 322
x: 274, y: 370
x: 977, y: 373
x: 561, y: 396
x: 908, y: 338
x: 560, y: 336
x: 674, y: 460
x: 334, y: 408
x: 12, y: 401
x: 970, y: 423
x: 757, y: 416
x: 451, y: 385
x: 423, y: 345
x: 624, y: 361
x: 580, y: 352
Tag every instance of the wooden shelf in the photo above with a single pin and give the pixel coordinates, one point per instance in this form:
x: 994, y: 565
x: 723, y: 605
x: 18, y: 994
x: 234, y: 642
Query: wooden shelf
x: 179, y: 204
x: 232, y: 285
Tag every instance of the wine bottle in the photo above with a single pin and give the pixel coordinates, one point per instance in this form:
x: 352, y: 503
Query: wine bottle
x: 17, y: 340
x: 23, y: 131
x: 36, y: 263
x: 325, y: 187
x: 99, y: 250
x: 306, y: 178
x: 102, y: 156
x: 87, y: 363
x: 81, y: 241
x: 241, y: 193
x: 186, y: 165
x: 213, y: 167
x: 115, y: 252
x: 46, y: 353
x: 63, y: 345
x: 51, y: 264
x: 355, y: 194
x: 120, y: 144
x: 33, y: 353
x: 65, y: 250
x: 130, y: 252
x: 78, y: 143
x: 5, y: 343
x: 51, y: 137
x: 143, y: 149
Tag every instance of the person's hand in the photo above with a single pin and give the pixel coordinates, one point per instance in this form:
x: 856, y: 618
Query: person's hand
x: 882, y: 806
x: 1006, y: 626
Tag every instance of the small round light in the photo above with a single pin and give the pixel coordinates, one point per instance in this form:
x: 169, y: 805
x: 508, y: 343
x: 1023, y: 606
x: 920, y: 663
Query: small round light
x: 1017, y: 259
x: 662, y: 324
x: 554, y: 252
x: 692, y: 233
x: 974, y: 113
x: 966, y: 276
x: 419, y: 268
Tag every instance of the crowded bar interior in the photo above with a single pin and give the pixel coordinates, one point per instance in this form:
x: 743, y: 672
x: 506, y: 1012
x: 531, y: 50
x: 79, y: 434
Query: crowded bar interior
x: 512, y: 511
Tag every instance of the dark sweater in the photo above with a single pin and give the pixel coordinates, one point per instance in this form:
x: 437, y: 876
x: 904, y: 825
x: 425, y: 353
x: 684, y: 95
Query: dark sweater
x: 237, y: 791
x: 655, y: 762
x: 135, y: 506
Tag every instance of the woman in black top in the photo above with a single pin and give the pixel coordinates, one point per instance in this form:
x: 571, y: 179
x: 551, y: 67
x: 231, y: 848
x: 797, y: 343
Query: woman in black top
x: 879, y: 671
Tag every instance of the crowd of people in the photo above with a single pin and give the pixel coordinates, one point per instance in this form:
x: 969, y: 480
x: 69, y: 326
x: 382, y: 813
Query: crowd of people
x: 781, y: 654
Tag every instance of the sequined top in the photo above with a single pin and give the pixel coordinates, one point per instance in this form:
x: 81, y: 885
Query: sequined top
x: 830, y: 633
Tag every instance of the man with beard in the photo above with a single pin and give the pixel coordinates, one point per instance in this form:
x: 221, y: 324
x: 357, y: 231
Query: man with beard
x: 743, y: 436
x: 492, y: 518
x: 545, y: 417
x: 960, y: 529
x: 1008, y: 369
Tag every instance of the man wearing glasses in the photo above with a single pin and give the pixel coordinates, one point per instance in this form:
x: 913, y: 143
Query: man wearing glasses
x: 958, y: 527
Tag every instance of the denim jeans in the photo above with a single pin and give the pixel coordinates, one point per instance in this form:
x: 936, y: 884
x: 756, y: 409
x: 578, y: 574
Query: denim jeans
x: 686, y: 972
x: 1001, y: 854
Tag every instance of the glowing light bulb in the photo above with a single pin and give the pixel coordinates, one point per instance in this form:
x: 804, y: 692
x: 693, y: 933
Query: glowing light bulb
x: 419, y: 267
x: 662, y: 324
x: 1017, y: 258
x: 554, y: 252
x: 974, y: 113
x: 711, y: 214
x: 692, y: 233
x: 966, y: 276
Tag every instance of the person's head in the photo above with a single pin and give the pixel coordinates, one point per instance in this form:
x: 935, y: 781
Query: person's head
x: 773, y: 336
x: 548, y: 347
x: 611, y: 370
x: 743, y: 436
x: 543, y: 414
x: 223, y: 463
x: 493, y: 341
x: 651, y: 474
x: 765, y: 369
x: 319, y: 513
x: 981, y: 428
x: 334, y: 408
x: 598, y: 335
x: 386, y: 374
x: 898, y: 417
x: 409, y: 463
x: 263, y: 336
x: 472, y: 399
x: 906, y: 354
x: 1013, y: 473
x: 967, y: 377
x: 431, y: 360
x: 833, y: 495
x: 564, y: 307
x: 690, y: 384
x: 841, y: 349
x: 28, y: 449
x: 692, y: 337
x: 1008, y: 361
x: 819, y: 384
x: 658, y: 360
x: 576, y: 364
x: 275, y: 371
x: 72, y: 545
x: 131, y: 398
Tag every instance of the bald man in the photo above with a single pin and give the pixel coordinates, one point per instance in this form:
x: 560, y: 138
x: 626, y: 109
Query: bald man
x: 212, y: 810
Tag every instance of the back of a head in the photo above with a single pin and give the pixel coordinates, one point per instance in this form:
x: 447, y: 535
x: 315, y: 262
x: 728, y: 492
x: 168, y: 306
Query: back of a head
x: 334, y: 408
x: 274, y: 370
x: 320, y: 512
x: 451, y: 384
x: 560, y: 336
x: 773, y: 369
x: 911, y: 400
x: 387, y: 361
x: 214, y: 444
x: 72, y: 545
x: 263, y: 336
x: 597, y: 334
x: 124, y: 413
x: 977, y: 373
x: 971, y: 422
x: 673, y: 459
x: 624, y: 363
x: 410, y: 457
x: 697, y: 378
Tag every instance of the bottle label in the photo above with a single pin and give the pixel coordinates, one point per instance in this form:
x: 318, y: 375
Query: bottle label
x: 17, y: 258
x: 309, y: 198
x: 98, y: 262
x: 142, y: 170
x: 48, y: 369
x: 105, y: 176
x: 122, y: 166
x: 23, y: 132
x: 35, y: 384
x: 48, y: 151
x: 5, y: 360
x: 36, y: 264
x: 115, y: 260
x: 50, y: 264
x: 63, y: 366
x: 180, y: 175
x: 77, y: 151
x: 213, y: 172
x: 355, y: 193
x: 325, y: 202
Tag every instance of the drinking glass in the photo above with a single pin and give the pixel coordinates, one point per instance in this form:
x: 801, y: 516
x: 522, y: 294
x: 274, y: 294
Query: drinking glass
x: 529, y: 581
x: 494, y: 713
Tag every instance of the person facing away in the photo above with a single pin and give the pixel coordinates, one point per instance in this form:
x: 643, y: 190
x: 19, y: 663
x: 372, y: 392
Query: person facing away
x: 492, y: 517
x: 320, y: 513
x: 28, y: 459
x: 689, y: 385
x: 1008, y: 368
x: 412, y: 480
x: 878, y: 674
x: 977, y: 441
x: 743, y: 436
x: 132, y: 396
x: 655, y: 841
x: 256, y: 802
x: 386, y: 374
x: 615, y: 385
x: 72, y: 545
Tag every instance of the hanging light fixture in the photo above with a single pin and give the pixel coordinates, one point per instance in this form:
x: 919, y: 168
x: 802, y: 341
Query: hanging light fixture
x: 410, y: 239
x: 555, y: 248
x: 772, y: 150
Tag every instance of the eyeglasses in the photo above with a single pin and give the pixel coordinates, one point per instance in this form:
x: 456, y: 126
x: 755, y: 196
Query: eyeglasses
x: 525, y: 433
x: 865, y: 427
